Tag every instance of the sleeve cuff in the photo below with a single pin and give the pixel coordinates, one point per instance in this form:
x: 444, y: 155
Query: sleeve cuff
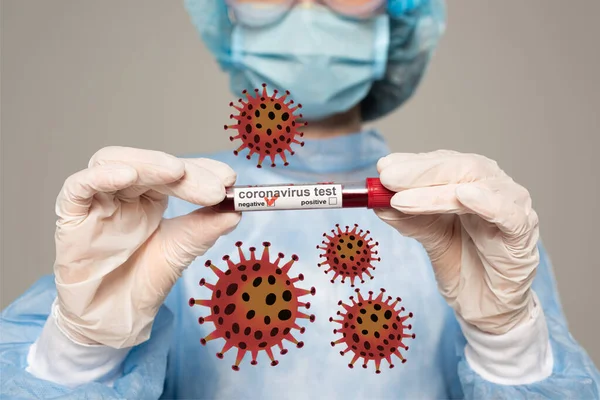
x: 56, y: 358
x: 519, y: 357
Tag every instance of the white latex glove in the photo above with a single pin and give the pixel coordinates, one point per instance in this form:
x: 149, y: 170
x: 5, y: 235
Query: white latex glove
x: 477, y: 226
x: 116, y: 257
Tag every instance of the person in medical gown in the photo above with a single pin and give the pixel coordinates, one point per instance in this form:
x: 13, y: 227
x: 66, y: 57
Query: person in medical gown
x: 460, y: 245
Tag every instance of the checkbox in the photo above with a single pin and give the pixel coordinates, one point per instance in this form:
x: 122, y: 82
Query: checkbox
x: 332, y: 201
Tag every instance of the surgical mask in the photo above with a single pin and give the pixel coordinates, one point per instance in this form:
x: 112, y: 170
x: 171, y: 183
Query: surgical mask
x: 328, y: 63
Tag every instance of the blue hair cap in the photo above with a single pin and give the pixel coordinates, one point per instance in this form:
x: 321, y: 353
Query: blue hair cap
x: 416, y: 27
x: 400, y: 7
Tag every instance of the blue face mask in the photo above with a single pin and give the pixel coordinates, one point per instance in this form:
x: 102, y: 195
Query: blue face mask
x: 328, y: 63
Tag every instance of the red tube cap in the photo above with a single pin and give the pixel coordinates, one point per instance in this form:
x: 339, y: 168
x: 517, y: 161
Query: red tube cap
x: 378, y: 195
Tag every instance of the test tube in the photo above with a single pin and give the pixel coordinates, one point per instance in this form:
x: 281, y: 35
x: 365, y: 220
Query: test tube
x: 369, y: 193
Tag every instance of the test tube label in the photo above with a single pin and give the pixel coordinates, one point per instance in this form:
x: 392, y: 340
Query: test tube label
x: 287, y: 197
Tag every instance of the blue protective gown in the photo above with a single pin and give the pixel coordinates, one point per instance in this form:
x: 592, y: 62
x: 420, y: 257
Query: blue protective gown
x: 173, y: 363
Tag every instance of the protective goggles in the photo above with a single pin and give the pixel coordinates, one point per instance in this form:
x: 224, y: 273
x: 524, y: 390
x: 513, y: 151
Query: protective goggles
x: 264, y: 12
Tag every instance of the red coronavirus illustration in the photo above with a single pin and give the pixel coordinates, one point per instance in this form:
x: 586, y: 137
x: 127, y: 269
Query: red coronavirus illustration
x: 349, y: 254
x: 254, y: 305
x: 372, y: 329
x: 266, y: 125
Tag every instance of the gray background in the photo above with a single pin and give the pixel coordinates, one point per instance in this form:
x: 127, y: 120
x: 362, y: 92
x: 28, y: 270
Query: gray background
x: 516, y: 81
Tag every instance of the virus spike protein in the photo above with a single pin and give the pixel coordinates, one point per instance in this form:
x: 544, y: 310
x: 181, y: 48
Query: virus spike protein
x: 266, y: 125
x: 348, y: 254
x: 372, y: 329
x: 254, y: 305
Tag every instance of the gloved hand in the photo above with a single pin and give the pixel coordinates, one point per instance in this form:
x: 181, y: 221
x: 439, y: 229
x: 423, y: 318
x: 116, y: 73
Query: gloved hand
x: 478, y: 228
x: 116, y: 257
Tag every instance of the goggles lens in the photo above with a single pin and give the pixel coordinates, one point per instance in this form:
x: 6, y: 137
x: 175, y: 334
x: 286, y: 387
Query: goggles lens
x: 264, y: 12
x: 356, y: 8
